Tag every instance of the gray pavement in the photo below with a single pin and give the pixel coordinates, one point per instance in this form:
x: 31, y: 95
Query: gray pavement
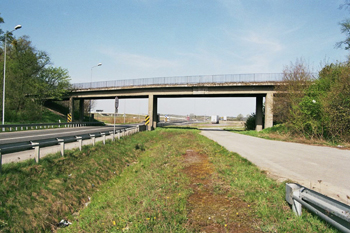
x: 324, y: 169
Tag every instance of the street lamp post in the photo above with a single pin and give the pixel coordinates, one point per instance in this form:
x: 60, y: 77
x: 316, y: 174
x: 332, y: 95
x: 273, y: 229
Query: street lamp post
x: 3, y: 89
x: 99, y: 64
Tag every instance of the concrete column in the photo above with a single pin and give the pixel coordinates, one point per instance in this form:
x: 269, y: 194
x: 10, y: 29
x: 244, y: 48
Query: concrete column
x: 152, y: 111
x: 71, y: 107
x: 81, y: 110
x: 80, y: 141
x: 36, y: 151
x: 62, y: 146
x: 104, y: 138
x: 92, y: 139
x: 259, y: 113
x: 269, y: 110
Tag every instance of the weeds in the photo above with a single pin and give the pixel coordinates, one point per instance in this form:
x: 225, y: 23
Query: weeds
x: 143, y: 183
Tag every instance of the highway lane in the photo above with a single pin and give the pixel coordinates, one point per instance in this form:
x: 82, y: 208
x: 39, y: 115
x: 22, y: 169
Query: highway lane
x: 324, y: 169
x: 32, y: 135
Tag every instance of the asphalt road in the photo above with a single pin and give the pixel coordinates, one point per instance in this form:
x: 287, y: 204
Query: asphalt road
x: 32, y: 135
x: 324, y: 169
x: 23, y: 137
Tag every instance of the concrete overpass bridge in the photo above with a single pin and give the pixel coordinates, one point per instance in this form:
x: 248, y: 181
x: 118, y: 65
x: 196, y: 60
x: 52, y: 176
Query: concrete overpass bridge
x: 259, y: 86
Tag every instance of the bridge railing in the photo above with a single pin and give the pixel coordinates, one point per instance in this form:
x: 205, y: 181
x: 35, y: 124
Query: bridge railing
x: 225, y: 78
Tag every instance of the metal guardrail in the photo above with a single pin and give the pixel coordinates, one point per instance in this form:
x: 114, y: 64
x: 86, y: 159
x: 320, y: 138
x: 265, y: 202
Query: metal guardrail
x: 225, y: 78
x: 330, y: 210
x: 36, y: 145
x: 16, y: 127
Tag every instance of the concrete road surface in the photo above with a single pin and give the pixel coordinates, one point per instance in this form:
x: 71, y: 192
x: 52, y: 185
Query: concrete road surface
x: 323, y: 169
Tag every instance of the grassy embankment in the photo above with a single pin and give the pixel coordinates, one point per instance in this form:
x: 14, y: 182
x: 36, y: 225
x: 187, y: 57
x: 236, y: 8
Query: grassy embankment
x: 279, y: 132
x: 46, y: 117
x: 168, y: 180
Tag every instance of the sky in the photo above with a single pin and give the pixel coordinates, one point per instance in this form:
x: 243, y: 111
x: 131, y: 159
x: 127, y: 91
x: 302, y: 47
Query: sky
x: 162, y: 38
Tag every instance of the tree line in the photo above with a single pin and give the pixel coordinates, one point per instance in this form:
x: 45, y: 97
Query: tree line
x: 316, y: 106
x: 30, y: 78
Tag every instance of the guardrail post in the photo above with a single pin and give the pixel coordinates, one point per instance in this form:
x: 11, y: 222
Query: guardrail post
x: 80, y: 140
x: 293, y: 190
x: 118, y: 134
x: 328, y: 209
x: 104, y: 138
x: 61, y: 142
x: 36, y: 151
x: 93, y: 139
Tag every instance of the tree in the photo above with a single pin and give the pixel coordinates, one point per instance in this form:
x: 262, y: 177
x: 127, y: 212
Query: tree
x: 24, y: 64
x: 334, y: 82
x: 239, y: 117
x: 30, y: 79
x: 296, y: 79
x: 52, y: 82
x: 345, y: 28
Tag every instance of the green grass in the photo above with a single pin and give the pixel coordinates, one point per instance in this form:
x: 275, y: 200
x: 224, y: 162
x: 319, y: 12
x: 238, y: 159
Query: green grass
x: 281, y: 133
x: 46, y: 117
x: 137, y: 184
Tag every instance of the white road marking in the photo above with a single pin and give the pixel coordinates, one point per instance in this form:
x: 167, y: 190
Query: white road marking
x: 52, y: 134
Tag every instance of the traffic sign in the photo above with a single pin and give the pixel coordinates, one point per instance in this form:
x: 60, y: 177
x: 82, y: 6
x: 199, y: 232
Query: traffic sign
x: 147, y: 120
x: 116, y: 103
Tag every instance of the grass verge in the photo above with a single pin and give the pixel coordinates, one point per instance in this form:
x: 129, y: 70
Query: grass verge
x: 280, y: 133
x: 145, y: 183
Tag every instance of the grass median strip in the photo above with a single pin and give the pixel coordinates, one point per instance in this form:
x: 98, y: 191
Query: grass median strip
x: 168, y: 180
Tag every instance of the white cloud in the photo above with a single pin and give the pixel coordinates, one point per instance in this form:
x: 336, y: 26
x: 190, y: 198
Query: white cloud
x: 139, y: 61
x: 264, y: 43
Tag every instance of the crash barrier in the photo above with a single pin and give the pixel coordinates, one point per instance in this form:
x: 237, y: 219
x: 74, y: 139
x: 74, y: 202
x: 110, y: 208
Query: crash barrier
x: 37, y: 145
x: 47, y: 126
x: 334, y: 212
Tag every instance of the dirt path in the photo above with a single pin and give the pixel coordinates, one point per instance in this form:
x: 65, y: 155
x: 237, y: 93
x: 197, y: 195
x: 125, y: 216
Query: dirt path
x: 213, y: 208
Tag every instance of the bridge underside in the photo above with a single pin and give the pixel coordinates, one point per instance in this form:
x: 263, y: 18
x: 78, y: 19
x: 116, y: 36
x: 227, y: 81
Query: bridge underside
x: 153, y: 93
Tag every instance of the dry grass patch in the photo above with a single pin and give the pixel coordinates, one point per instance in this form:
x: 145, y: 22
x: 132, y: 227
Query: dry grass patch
x: 212, y: 206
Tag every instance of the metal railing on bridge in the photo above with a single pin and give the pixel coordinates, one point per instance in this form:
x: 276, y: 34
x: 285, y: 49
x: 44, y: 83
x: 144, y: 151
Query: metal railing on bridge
x: 183, y: 80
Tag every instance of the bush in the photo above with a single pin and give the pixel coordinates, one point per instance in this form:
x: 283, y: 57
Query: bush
x: 250, y: 124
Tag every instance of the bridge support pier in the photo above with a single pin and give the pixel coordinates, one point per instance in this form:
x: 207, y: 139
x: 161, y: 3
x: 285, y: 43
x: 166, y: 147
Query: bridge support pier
x: 269, y: 110
x: 71, y: 107
x: 81, y: 110
x: 152, y: 111
x: 259, y: 113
